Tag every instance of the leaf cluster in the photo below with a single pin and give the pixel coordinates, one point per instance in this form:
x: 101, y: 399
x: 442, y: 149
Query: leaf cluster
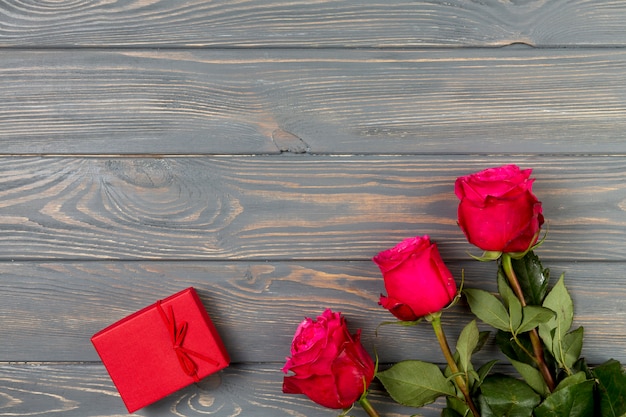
x: 416, y: 383
x: 579, y: 391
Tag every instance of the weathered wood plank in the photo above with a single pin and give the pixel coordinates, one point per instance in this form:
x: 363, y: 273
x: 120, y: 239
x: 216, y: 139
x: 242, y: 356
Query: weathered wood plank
x: 322, y: 101
x: 336, y: 23
x: 63, y: 102
x: 271, y: 207
x: 85, y: 390
x: 49, y: 311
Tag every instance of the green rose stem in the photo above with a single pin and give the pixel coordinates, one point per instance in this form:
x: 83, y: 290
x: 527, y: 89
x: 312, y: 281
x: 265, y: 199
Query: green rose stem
x: 435, y: 320
x: 367, y: 406
x: 534, y: 336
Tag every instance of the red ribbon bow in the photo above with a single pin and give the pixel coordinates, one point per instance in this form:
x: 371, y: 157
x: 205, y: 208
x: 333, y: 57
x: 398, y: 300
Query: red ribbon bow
x: 177, y: 335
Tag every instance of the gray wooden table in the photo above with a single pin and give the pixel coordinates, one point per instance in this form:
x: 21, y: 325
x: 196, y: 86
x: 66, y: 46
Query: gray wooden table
x: 263, y: 152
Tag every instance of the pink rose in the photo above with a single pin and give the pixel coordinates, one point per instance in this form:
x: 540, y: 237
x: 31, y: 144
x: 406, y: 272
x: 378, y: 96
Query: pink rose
x: 331, y: 366
x: 417, y: 281
x: 498, y: 211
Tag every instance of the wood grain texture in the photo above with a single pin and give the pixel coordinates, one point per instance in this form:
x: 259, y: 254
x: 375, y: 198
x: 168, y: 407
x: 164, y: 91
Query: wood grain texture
x: 297, y: 207
x: 331, y: 23
x: 511, y: 100
x: 85, y: 390
x: 263, y: 152
x: 49, y: 311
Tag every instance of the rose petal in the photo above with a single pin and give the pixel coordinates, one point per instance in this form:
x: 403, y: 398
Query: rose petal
x: 398, y: 309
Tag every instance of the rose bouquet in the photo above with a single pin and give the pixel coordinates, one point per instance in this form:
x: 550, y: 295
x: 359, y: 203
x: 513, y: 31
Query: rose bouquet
x: 530, y: 317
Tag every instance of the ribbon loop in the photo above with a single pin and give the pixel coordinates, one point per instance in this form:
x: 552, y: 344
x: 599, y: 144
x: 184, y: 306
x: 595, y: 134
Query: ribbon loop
x: 177, y: 336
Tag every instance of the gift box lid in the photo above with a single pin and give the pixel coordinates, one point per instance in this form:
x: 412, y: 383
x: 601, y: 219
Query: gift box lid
x: 160, y: 349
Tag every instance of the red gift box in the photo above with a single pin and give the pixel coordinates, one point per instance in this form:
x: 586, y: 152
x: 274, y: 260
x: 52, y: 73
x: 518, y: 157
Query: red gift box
x: 161, y: 349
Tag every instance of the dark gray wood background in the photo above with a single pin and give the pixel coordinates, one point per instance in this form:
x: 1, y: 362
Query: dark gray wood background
x: 263, y: 152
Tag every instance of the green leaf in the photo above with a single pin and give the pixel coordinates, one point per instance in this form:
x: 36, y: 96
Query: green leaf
x: 485, y: 411
x: 569, y: 349
x: 448, y: 412
x: 505, y: 343
x: 510, y: 300
x: 415, y: 383
x: 509, y: 397
x: 612, y: 388
x: 488, y: 308
x: 482, y: 340
x: 484, y: 370
x: 532, y: 278
x: 533, y: 316
x: 456, y: 407
x: 581, y: 366
x: 559, y: 301
x: 532, y: 376
x: 466, y: 343
x: 577, y: 378
x: 575, y: 400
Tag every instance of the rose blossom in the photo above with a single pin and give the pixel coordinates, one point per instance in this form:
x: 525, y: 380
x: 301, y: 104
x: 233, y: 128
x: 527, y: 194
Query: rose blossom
x: 498, y: 211
x: 331, y: 366
x: 417, y: 281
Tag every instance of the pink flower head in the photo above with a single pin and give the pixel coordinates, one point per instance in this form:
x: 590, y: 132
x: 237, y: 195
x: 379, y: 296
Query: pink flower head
x: 330, y: 365
x: 498, y: 210
x: 417, y: 281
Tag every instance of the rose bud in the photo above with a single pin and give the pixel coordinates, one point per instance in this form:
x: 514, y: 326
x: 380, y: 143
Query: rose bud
x: 498, y: 211
x: 331, y: 366
x: 417, y: 281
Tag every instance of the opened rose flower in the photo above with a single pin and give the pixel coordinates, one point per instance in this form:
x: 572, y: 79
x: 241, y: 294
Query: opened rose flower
x: 416, y: 279
x: 329, y: 364
x: 498, y: 211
